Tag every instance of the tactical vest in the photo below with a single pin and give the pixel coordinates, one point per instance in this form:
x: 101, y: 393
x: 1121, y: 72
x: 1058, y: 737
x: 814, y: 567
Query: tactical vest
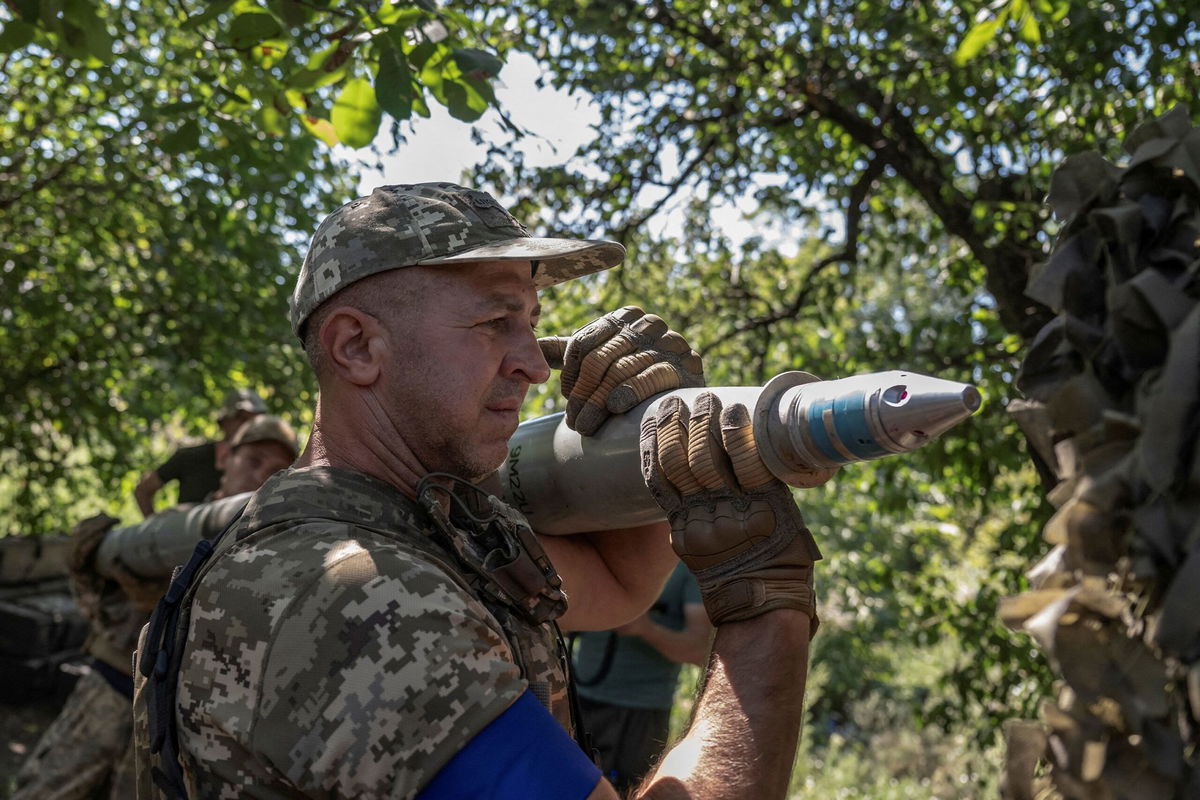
x: 506, y: 571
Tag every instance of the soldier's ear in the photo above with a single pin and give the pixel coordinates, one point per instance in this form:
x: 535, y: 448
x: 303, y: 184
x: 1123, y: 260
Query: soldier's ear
x: 353, y: 341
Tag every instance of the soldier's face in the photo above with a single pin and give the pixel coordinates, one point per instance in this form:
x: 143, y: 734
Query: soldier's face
x: 249, y: 466
x: 463, y: 357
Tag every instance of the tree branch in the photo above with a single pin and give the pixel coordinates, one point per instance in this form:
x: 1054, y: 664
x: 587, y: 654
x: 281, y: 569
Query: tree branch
x: 849, y: 253
x: 42, y: 182
x: 901, y: 147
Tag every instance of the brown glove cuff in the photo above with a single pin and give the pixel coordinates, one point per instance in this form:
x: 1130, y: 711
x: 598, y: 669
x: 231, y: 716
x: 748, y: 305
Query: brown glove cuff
x: 744, y: 598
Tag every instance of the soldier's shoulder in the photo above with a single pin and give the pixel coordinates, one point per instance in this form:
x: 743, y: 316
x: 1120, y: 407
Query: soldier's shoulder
x: 289, y: 558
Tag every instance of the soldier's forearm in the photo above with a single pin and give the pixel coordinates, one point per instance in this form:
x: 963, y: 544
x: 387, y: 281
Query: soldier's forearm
x: 743, y: 737
x: 144, y: 492
x: 690, y: 645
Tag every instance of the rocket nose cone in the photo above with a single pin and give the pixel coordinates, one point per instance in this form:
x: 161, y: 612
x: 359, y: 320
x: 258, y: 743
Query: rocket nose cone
x: 930, y: 407
x: 971, y: 398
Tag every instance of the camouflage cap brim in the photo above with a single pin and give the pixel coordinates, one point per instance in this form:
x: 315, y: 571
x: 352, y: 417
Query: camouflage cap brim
x: 557, y: 260
x: 429, y: 224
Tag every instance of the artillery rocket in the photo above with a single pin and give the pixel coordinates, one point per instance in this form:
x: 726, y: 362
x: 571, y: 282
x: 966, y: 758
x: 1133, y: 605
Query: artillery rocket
x: 805, y: 430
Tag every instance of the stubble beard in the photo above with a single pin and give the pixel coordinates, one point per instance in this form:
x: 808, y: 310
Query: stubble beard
x: 461, y: 450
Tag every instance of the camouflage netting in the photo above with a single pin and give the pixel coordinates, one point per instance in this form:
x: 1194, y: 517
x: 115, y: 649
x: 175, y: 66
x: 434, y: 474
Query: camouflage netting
x: 1113, y: 409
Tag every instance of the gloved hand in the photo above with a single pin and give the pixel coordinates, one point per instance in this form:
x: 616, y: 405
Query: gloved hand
x: 105, y: 599
x: 615, y: 362
x: 734, y: 524
x: 90, y: 588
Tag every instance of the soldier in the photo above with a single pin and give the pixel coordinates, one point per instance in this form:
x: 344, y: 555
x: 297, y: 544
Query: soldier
x: 260, y: 448
x: 198, y: 468
x: 376, y: 626
x: 85, y: 753
x: 627, y: 678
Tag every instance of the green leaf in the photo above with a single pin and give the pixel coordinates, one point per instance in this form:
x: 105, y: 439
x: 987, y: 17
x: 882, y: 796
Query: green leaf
x: 213, y: 10
x: 1055, y: 10
x: 356, y: 113
x: 420, y: 55
x: 393, y: 81
x: 99, y: 41
x: 976, y: 39
x: 419, y: 106
x: 16, y: 34
x: 250, y: 29
x: 318, y: 72
x: 72, y: 40
x: 271, y: 121
x: 399, y: 17
x: 1028, y: 29
x: 463, y: 99
x: 89, y: 33
x: 292, y: 13
x: 269, y: 52
x: 320, y: 128
x: 183, y: 139
x: 477, y: 63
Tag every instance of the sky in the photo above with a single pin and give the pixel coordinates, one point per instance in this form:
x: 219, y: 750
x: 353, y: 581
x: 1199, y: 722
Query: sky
x: 440, y: 148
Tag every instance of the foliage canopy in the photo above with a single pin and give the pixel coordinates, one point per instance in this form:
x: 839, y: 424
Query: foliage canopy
x: 167, y: 159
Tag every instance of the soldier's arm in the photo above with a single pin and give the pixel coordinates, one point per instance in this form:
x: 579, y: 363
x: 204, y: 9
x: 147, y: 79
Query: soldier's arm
x: 145, y: 490
x: 743, y: 736
x: 611, y: 577
x: 688, y: 645
x: 740, y: 744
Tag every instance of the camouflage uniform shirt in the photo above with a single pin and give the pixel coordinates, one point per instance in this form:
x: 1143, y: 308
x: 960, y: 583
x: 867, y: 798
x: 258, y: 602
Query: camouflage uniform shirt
x: 335, y: 651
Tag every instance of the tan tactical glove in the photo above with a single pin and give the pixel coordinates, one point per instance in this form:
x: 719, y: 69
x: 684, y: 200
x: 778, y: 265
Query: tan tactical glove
x: 733, y: 523
x: 90, y: 588
x: 103, y: 598
x: 615, y: 362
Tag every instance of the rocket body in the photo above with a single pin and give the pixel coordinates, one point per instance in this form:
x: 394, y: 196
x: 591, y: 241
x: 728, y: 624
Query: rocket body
x: 805, y: 430
x: 155, y: 546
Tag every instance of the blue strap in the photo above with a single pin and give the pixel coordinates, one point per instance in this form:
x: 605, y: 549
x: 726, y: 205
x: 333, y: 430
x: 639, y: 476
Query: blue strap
x: 524, y: 754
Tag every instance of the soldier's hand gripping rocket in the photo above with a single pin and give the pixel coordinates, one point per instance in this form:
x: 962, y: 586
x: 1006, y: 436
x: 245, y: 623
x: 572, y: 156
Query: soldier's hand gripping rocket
x: 734, y: 524
x: 617, y: 361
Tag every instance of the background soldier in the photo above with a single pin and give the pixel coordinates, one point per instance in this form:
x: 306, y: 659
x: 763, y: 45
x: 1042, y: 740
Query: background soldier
x: 198, y: 468
x: 85, y: 753
x: 626, y: 678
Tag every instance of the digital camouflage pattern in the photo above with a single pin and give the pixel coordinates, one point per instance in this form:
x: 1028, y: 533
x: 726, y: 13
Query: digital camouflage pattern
x: 334, y: 650
x: 85, y: 753
x: 1114, y: 403
x: 427, y: 224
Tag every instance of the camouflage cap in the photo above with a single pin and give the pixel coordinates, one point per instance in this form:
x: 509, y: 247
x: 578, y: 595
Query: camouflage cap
x: 266, y: 428
x: 241, y: 400
x: 432, y: 223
